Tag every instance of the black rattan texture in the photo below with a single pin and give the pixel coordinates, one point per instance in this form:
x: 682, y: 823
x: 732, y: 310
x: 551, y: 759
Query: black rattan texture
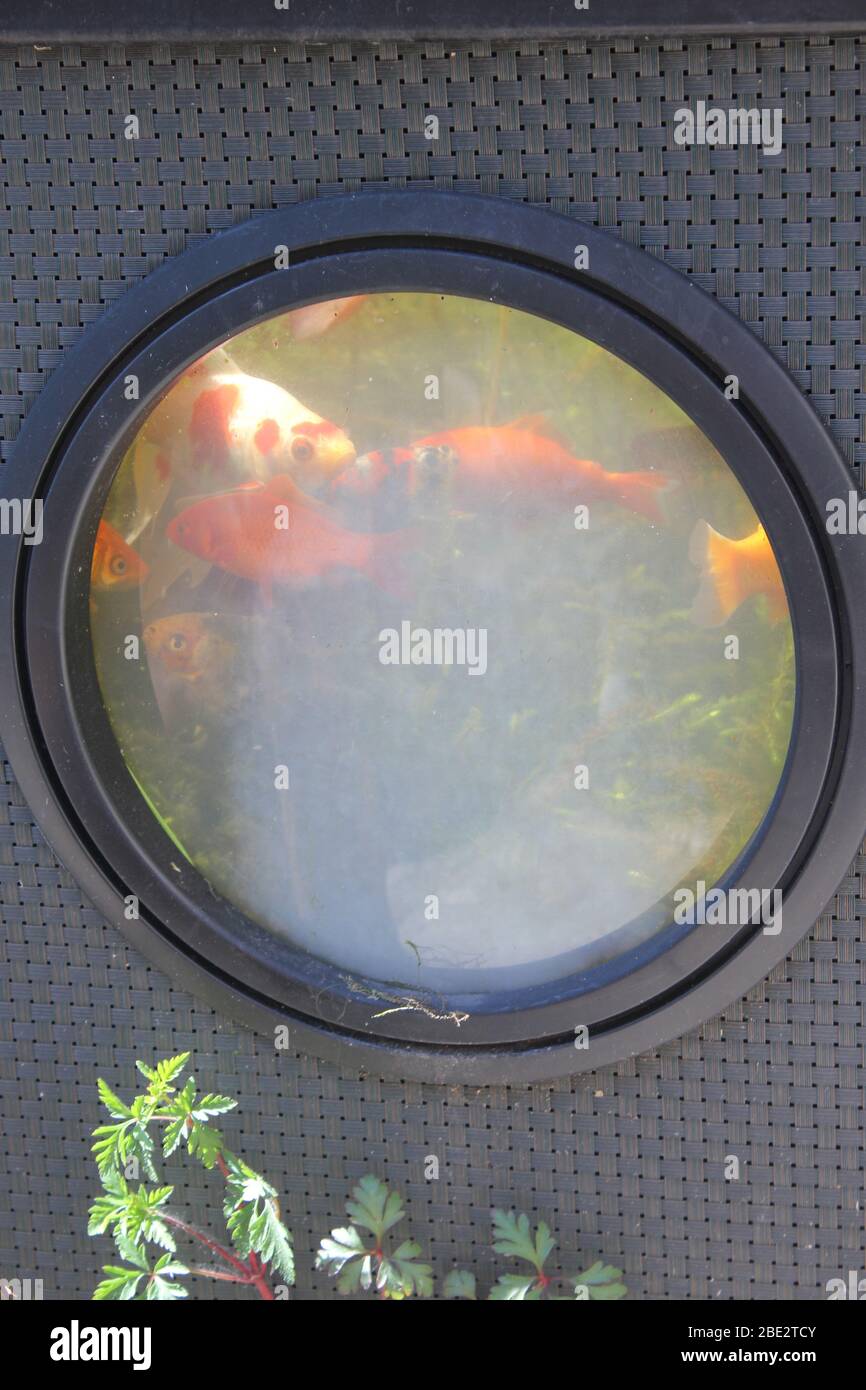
x: 628, y: 1162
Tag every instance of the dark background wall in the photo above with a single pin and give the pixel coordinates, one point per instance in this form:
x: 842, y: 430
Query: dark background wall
x: 629, y: 1161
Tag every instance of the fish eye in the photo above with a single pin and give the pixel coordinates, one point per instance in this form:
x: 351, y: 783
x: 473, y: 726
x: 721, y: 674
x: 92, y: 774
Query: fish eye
x: 177, y: 641
x: 118, y: 565
x: 302, y: 450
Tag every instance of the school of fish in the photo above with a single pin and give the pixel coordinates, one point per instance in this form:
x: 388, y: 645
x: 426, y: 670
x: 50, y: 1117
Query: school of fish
x: 265, y: 489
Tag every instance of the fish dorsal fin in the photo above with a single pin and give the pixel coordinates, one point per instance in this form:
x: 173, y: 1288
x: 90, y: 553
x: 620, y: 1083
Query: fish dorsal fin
x: 538, y: 423
x: 190, y: 499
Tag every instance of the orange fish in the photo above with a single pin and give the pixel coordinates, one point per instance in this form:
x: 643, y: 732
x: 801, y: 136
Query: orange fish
x: 115, y: 564
x: 491, y: 461
x: 193, y: 668
x: 273, y: 533
x: 315, y: 319
x: 731, y: 572
x: 183, y: 645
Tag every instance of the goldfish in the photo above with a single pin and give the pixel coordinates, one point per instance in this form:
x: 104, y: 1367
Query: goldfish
x: 497, y: 459
x: 224, y: 422
x: 246, y: 426
x: 115, y: 564
x: 731, y: 572
x: 193, y: 668
x: 273, y: 533
x: 315, y: 319
x: 473, y: 463
x: 375, y: 492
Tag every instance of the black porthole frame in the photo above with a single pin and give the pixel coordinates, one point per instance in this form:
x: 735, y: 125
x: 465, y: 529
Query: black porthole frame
x: 59, y: 740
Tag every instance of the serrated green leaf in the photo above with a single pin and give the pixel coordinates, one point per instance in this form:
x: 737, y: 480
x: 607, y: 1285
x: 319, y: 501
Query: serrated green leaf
x: 172, y: 1136
x: 163, y: 1290
x: 544, y: 1243
x: 272, y: 1242
x: 179, y: 1103
x: 601, y: 1282
x: 239, y: 1221
x: 607, y: 1293
x: 521, y: 1288
x: 460, y: 1283
x: 138, y: 1143
x: 123, y: 1284
x: 107, y: 1208
x: 351, y: 1275
x: 344, y: 1243
x: 146, y: 1071
x: 135, y: 1254
x: 599, y: 1273
x: 252, y: 1188
x: 138, y: 1217
x: 406, y: 1275
x: 212, y: 1105
x: 513, y: 1236
x: 253, y: 1223
x: 168, y: 1068
x: 109, y: 1147
x: 113, y: 1103
x: 205, y: 1143
x: 375, y: 1206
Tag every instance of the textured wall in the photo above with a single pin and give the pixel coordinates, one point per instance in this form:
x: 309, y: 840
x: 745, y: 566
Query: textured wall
x: 629, y: 1161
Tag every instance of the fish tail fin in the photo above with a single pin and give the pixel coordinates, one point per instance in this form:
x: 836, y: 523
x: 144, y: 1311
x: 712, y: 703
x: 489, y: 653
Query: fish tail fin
x: 721, y: 590
x: 388, y: 563
x: 641, y: 492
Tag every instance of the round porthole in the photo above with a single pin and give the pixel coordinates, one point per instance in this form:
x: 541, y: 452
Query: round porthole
x: 437, y: 636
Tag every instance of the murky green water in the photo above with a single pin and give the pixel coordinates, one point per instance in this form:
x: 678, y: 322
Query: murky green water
x: 441, y: 824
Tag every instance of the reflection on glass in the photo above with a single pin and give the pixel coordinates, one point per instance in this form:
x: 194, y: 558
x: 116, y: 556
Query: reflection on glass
x: 436, y: 677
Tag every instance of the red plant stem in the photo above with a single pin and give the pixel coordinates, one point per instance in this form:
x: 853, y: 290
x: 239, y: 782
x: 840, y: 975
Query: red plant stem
x: 260, y: 1278
x: 217, y: 1274
x: 211, y: 1244
x: 254, y: 1272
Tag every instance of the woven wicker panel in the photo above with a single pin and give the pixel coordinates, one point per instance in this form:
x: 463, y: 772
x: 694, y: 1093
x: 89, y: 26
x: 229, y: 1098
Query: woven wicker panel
x: 628, y: 1162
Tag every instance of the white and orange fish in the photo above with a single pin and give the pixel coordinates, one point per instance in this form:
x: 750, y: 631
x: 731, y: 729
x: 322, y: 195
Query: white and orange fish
x: 221, y: 423
x: 732, y: 571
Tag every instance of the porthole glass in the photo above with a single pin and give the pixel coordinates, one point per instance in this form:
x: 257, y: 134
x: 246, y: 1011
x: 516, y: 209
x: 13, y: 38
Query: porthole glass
x: 441, y: 641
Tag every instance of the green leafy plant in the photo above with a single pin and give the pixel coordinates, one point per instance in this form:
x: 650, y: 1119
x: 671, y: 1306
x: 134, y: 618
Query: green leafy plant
x: 141, y: 1216
x: 513, y: 1236
x: 363, y: 1259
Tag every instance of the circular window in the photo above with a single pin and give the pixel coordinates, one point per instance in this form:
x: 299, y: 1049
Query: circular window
x: 463, y: 649
x: 430, y: 645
